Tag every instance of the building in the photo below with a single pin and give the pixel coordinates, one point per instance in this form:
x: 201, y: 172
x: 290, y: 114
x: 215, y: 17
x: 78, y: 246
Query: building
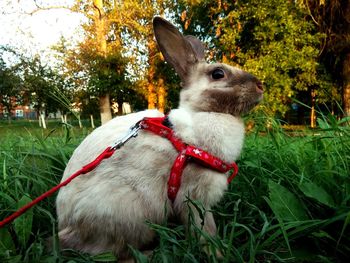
x: 18, y: 111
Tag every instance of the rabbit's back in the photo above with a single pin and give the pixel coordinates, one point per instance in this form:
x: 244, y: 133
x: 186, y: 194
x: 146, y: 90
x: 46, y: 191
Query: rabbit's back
x: 102, y: 137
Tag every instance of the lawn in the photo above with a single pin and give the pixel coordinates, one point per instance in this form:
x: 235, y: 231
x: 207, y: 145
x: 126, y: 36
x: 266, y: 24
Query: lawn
x: 30, y: 127
x: 289, y: 203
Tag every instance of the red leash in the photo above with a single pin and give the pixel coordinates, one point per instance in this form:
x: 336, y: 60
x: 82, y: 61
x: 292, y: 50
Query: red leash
x: 156, y: 125
x: 87, y: 168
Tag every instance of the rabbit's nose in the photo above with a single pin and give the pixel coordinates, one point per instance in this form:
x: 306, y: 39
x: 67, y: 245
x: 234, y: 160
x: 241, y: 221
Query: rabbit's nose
x: 259, y: 87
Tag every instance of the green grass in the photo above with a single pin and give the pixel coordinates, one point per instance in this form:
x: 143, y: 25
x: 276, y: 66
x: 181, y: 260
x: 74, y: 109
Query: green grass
x: 27, y: 127
x: 294, y: 194
x: 289, y: 203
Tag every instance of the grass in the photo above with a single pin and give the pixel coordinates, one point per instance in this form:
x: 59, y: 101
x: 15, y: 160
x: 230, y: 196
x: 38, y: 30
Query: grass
x: 295, y: 196
x: 28, y: 127
x: 289, y: 203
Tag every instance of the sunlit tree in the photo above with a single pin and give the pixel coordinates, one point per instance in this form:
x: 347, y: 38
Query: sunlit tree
x: 270, y: 39
x: 118, y: 54
x: 155, y: 82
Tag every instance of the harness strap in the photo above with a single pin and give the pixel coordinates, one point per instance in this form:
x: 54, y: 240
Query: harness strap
x: 156, y: 126
x: 186, y: 153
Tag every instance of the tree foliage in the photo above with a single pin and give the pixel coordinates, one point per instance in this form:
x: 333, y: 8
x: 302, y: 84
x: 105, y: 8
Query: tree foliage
x: 332, y: 19
x: 271, y: 39
x: 30, y: 81
x: 118, y: 55
x: 297, y: 48
x: 10, y: 86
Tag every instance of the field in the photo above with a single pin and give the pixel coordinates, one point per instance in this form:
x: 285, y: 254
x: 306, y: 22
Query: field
x: 289, y: 203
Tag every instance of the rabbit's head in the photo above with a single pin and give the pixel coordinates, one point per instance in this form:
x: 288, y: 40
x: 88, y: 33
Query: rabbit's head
x: 206, y: 87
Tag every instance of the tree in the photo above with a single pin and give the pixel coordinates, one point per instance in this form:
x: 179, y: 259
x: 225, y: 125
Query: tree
x: 27, y: 80
x: 98, y: 63
x: 270, y: 39
x: 112, y: 31
x: 10, y: 87
x: 46, y: 89
x: 95, y: 55
x: 154, y: 79
x: 36, y: 86
x: 117, y: 53
x: 332, y: 18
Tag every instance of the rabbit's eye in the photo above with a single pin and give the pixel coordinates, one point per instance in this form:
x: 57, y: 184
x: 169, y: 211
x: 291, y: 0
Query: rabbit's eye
x: 218, y: 73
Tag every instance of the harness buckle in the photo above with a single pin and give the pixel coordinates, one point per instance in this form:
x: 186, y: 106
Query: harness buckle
x: 132, y: 133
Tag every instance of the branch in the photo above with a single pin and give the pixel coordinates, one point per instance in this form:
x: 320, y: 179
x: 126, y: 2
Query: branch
x: 98, y: 9
x: 42, y: 8
x: 46, y: 9
x: 323, y: 46
x: 312, y: 17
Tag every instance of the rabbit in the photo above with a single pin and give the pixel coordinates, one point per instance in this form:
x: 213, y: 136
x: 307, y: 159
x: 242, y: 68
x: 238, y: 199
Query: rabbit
x: 106, y: 209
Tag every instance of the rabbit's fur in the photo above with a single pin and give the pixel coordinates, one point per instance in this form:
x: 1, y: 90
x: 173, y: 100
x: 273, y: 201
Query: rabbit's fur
x: 106, y: 209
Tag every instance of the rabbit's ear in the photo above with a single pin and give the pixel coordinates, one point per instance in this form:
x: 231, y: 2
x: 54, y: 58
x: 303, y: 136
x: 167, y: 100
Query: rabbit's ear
x: 177, y: 50
x: 197, y: 46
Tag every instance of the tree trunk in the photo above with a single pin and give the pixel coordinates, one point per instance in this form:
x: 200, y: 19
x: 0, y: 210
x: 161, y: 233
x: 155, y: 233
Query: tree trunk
x: 346, y: 85
x: 9, y: 117
x: 80, y: 124
x: 38, y: 115
x: 313, y: 112
x: 151, y: 96
x: 161, y: 95
x: 105, y: 109
x: 100, y: 20
x: 92, y: 121
x: 43, y: 122
x: 9, y: 112
x: 120, y: 101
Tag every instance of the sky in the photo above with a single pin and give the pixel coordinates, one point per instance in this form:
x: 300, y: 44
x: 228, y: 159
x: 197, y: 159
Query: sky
x: 36, y: 33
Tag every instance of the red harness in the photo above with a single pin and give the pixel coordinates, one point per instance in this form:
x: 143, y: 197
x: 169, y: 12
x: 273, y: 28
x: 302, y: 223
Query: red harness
x: 186, y: 153
x: 155, y: 125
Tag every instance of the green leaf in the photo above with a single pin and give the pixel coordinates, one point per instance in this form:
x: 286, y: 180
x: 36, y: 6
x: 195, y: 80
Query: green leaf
x: 322, y: 234
x: 346, y: 223
x: 23, y: 224
x: 105, y: 257
x: 344, y: 120
x: 198, y: 207
x: 14, y: 259
x: 4, y: 172
x: 285, y: 204
x: 323, y: 124
x: 318, y: 193
x: 6, y: 242
x: 138, y: 255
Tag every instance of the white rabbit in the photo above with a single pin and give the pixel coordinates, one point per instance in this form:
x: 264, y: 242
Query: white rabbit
x: 106, y: 209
